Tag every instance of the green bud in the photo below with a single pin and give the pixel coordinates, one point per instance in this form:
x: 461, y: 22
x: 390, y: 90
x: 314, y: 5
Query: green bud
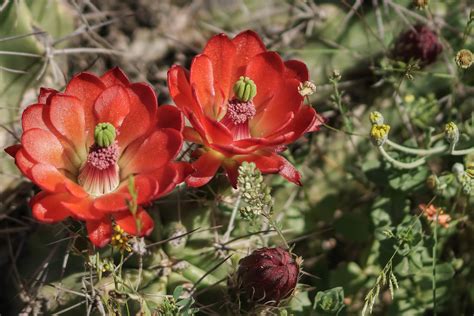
x: 458, y: 169
x: 245, y: 89
x: 335, y: 75
x: 104, y: 134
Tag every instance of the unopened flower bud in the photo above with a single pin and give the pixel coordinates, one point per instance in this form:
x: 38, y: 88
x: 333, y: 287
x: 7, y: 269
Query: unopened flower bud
x: 432, y: 182
x: 306, y: 88
x: 421, y: 4
x: 418, y: 43
x: 464, y: 58
x: 245, y: 89
x: 470, y: 169
x: 376, y: 118
x: 267, y: 276
x: 409, y: 98
x: 379, y: 134
x: 336, y: 75
x: 451, y: 133
x: 104, y: 134
x: 458, y: 169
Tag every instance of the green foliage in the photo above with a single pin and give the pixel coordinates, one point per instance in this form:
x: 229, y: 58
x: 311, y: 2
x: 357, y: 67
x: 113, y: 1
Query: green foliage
x: 355, y: 220
x: 330, y: 301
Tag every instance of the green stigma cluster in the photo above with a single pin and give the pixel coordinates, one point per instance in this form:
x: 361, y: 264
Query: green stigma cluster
x: 104, y: 134
x: 255, y: 193
x: 245, y: 89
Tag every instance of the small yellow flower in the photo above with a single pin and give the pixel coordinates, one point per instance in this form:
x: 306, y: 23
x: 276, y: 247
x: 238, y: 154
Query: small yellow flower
x: 306, y: 88
x: 409, y: 98
x: 379, y: 133
x: 120, y: 239
x: 421, y: 4
x: 376, y: 118
x: 464, y: 58
x: 451, y: 132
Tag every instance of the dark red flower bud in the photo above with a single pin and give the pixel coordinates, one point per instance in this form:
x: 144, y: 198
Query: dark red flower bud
x: 267, y: 275
x: 419, y: 43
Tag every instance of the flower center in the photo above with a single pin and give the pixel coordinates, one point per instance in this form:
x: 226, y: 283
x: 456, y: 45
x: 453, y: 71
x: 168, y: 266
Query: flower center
x: 241, y: 109
x: 100, y: 173
x: 237, y: 118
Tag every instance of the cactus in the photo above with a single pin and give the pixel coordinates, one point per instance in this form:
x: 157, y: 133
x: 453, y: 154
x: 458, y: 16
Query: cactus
x: 27, y: 31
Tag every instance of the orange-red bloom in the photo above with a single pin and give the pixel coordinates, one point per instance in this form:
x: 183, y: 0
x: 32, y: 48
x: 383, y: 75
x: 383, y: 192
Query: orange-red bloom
x: 430, y: 213
x: 233, y: 129
x: 59, y: 152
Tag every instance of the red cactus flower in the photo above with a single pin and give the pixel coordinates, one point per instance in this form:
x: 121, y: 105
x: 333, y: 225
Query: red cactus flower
x: 267, y: 275
x: 81, y: 147
x: 419, y: 43
x: 243, y: 104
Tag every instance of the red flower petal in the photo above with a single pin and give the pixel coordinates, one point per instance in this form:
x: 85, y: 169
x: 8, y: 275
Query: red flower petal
x: 297, y: 70
x: 304, y: 120
x: 112, y: 106
x: 43, y: 146
x: 156, y: 150
x: 82, y: 208
x: 285, y: 101
x: 100, y: 232
x: 50, y: 179
x: 213, y: 131
x: 32, y: 117
x: 181, y: 92
x: 265, y: 162
x: 146, y: 187
x: 221, y: 52
x: 289, y: 172
x: 44, y: 95
x: 24, y: 163
x: 129, y: 223
x: 12, y: 150
x: 86, y: 87
x: 143, y: 106
x: 202, y: 79
x: 170, y: 117
x: 66, y: 114
x: 247, y: 44
x: 47, y: 208
x: 115, y: 76
x: 232, y: 170
x: 171, y: 175
x: 266, y: 70
x: 206, y: 167
x: 191, y: 135
x: 318, y: 122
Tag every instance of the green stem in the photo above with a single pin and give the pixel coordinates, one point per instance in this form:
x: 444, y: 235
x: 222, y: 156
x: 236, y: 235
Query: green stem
x: 278, y: 230
x: 462, y: 152
x: 434, y: 260
x: 431, y: 151
x: 416, y: 151
x: 399, y: 164
x: 230, y: 227
x: 342, y: 131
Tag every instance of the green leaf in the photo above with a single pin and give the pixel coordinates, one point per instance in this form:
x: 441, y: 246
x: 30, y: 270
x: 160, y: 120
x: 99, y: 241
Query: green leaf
x: 329, y: 301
